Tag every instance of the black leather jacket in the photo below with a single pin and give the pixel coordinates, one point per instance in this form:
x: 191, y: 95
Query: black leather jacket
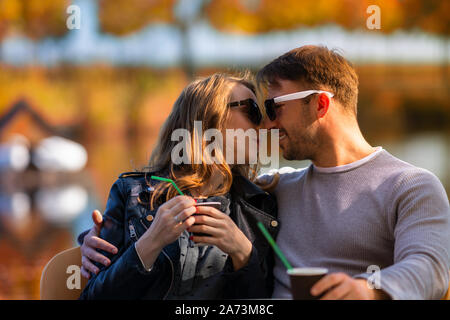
x: 126, y: 219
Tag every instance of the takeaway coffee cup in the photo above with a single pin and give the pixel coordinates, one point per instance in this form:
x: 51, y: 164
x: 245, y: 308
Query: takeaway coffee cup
x: 204, y: 203
x: 302, y: 280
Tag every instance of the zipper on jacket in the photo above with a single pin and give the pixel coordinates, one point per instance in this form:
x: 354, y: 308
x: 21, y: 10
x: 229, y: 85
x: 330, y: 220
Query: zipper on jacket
x: 132, y: 231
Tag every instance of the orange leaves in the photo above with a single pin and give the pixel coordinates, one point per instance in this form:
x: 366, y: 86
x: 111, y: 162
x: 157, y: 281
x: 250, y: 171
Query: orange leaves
x: 232, y: 15
x: 10, y: 12
x: 35, y: 19
x: 269, y: 15
x: 45, y: 18
x: 431, y: 15
x: 257, y: 16
x: 41, y: 18
x: 126, y: 16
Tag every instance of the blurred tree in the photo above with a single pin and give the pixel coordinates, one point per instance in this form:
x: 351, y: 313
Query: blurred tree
x: 44, y: 18
x: 122, y: 17
x: 10, y: 13
x: 34, y: 18
x: 41, y: 18
x: 432, y: 16
x: 256, y: 16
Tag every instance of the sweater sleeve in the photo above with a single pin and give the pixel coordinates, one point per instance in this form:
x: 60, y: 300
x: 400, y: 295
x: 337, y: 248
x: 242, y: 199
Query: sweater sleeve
x: 422, y: 239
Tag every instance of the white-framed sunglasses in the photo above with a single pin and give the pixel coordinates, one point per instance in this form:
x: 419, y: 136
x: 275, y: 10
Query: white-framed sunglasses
x: 270, y: 104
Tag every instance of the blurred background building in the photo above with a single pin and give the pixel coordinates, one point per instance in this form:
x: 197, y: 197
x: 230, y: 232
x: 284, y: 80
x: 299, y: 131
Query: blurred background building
x: 78, y: 107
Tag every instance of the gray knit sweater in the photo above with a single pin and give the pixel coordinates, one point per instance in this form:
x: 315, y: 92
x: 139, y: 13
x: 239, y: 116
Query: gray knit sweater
x: 378, y: 211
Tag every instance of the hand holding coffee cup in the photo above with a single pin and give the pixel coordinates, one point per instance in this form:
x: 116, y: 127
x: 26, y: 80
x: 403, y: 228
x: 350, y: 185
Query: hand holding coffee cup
x: 303, y: 279
x: 221, y: 232
x: 214, y: 204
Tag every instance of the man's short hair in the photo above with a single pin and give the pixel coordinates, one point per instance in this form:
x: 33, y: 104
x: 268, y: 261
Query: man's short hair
x: 318, y: 66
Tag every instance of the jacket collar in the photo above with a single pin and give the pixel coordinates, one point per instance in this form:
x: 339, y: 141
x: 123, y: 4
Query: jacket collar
x: 241, y: 185
x: 246, y: 188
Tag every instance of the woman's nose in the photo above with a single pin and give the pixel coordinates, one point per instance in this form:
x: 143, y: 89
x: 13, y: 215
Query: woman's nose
x: 268, y: 124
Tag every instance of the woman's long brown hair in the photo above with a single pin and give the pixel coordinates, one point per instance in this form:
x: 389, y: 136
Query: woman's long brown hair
x: 203, y: 100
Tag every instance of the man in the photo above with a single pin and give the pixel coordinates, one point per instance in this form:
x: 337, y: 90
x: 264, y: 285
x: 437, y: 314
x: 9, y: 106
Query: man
x: 356, y: 208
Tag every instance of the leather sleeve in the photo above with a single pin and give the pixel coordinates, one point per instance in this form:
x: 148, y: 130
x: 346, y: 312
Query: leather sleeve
x: 249, y: 282
x: 81, y: 236
x: 125, y: 278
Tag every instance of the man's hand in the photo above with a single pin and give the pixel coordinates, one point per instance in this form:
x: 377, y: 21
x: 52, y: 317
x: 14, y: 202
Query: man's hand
x: 340, y: 286
x: 90, y: 243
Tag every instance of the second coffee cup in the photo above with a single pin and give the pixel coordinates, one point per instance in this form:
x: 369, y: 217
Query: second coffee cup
x: 303, y: 279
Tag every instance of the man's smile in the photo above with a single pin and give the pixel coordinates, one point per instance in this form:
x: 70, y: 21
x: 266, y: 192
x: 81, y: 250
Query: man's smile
x: 282, y: 134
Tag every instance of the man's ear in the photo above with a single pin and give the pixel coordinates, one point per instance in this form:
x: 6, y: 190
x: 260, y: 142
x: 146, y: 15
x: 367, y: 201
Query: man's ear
x: 323, y: 104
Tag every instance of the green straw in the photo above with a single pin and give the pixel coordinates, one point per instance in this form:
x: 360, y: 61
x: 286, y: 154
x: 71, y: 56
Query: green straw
x: 168, y: 180
x: 274, y: 246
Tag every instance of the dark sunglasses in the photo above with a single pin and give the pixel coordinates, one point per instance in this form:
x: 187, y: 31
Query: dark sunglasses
x: 253, y: 112
x: 271, y: 107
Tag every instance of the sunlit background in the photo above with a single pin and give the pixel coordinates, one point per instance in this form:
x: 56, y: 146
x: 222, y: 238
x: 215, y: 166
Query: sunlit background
x: 78, y: 107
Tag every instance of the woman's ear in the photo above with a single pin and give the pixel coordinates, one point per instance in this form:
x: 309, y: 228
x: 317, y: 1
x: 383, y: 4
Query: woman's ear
x: 323, y: 104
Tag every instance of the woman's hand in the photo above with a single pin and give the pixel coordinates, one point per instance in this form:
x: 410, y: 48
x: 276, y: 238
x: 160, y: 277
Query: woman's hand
x: 91, y: 242
x: 172, y: 218
x: 223, y: 233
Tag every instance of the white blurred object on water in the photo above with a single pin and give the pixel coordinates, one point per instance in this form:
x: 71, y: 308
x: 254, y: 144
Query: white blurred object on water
x: 15, y: 154
x: 59, y: 154
x: 61, y: 205
x: 16, y: 206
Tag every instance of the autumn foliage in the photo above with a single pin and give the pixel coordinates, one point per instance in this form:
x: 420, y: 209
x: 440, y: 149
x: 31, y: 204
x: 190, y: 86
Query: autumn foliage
x: 268, y: 15
x: 122, y: 17
x: 35, y: 19
x: 42, y: 18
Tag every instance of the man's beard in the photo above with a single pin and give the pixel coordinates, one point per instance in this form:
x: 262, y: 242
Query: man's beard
x: 301, y: 148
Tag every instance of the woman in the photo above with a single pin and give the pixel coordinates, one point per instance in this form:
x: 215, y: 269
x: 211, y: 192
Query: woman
x: 153, y: 228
